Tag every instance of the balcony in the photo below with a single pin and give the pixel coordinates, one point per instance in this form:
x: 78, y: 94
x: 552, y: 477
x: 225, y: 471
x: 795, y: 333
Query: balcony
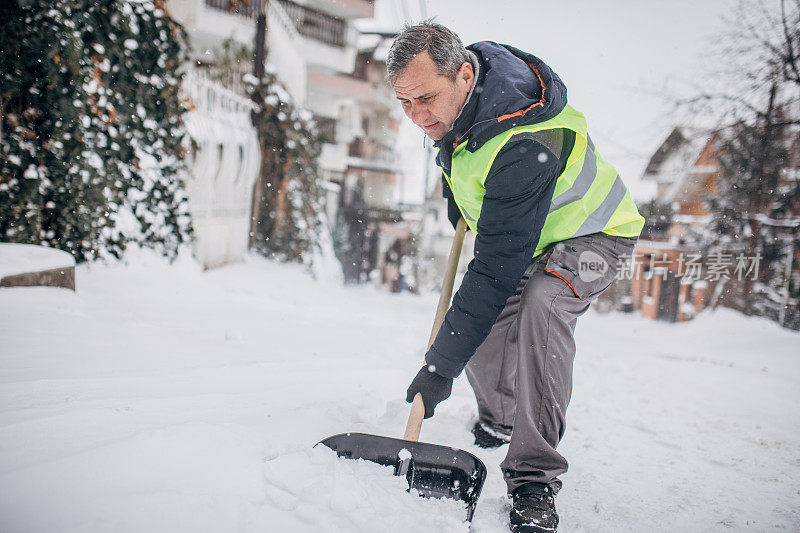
x: 326, y: 127
x: 244, y: 8
x: 316, y: 24
x: 368, y: 149
x: 366, y: 153
x: 345, y: 9
x: 309, y: 22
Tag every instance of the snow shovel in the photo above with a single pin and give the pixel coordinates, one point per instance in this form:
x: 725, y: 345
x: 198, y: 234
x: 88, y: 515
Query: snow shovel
x: 433, y: 471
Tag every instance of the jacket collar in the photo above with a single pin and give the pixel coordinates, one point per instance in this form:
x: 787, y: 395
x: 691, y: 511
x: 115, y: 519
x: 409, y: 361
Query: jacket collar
x: 511, y: 88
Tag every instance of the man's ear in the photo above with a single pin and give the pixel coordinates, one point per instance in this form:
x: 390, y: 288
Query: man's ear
x: 466, y: 73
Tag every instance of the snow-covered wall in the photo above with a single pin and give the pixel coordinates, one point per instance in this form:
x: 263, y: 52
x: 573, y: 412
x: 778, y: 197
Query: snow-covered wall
x: 224, y: 164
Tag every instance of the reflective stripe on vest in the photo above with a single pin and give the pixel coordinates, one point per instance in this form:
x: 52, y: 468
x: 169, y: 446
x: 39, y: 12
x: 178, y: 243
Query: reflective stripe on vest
x: 589, y: 196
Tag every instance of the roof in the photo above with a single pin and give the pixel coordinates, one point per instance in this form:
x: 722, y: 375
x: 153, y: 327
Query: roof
x: 366, y: 41
x: 677, y: 153
x: 377, y: 43
x: 691, y: 182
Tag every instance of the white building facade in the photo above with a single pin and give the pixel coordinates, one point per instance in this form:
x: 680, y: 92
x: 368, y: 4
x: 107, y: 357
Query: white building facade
x: 307, y: 40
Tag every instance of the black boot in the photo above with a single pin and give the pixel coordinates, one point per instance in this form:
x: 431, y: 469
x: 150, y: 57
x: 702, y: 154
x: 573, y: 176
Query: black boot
x: 533, y: 509
x: 487, y: 436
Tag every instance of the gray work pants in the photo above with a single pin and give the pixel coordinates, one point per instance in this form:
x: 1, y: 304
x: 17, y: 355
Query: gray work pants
x: 522, y: 373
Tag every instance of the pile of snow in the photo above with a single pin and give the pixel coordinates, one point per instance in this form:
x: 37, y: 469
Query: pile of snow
x: 353, y: 495
x: 165, y: 398
x: 25, y: 258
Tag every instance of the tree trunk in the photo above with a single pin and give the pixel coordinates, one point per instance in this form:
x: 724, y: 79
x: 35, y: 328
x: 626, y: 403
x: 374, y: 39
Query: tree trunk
x: 258, y: 98
x: 280, y: 200
x: 268, y: 185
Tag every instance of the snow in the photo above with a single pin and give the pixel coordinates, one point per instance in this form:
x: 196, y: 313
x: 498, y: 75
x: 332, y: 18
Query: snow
x: 31, y: 172
x: 165, y: 398
x: 367, y: 41
x: 301, y: 484
x: 26, y: 258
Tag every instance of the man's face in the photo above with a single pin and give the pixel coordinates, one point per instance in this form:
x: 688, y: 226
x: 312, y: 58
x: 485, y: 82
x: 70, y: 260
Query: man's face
x: 430, y: 100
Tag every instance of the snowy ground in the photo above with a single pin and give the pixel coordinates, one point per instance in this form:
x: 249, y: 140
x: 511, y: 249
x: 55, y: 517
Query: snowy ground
x: 162, y: 398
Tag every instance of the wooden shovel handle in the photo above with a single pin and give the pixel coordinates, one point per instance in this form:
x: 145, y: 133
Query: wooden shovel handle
x: 415, y: 417
x: 414, y: 424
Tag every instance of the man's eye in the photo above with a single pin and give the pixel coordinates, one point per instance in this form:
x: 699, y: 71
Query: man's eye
x: 426, y: 99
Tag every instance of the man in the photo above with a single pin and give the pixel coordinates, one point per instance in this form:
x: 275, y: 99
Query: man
x: 552, y: 221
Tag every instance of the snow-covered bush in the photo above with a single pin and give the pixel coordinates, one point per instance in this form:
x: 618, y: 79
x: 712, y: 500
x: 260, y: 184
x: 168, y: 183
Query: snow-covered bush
x: 91, y: 126
x: 289, y: 217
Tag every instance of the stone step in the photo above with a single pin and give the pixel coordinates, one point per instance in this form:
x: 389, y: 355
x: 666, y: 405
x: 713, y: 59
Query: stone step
x: 30, y: 265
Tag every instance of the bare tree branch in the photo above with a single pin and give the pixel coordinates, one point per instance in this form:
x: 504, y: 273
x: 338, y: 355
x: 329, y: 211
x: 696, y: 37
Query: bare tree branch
x: 791, y: 57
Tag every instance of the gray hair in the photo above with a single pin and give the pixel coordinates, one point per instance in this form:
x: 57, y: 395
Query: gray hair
x: 442, y: 44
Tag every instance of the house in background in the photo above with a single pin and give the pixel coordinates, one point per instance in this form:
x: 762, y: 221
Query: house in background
x: 359, y: 160
x: 308, y: 41
x: 664, y: 280
x: 670, y: 279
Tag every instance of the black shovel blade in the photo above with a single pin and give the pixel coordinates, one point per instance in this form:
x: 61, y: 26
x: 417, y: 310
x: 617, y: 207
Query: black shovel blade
x: 432, y: 470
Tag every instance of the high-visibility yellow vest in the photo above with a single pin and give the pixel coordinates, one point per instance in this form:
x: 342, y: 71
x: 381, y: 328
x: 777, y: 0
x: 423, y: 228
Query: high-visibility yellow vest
x: 589, y: 197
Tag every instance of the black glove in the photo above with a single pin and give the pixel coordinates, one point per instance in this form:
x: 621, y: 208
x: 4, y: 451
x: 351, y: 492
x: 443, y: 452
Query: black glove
x: 433, y: 387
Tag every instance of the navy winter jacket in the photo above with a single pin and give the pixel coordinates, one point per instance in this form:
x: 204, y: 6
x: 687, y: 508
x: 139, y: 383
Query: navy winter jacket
x: 519, y: 189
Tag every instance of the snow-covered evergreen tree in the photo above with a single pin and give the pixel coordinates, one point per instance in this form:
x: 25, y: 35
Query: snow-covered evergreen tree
x: 755, y: 201
x: 290, y: 215
x: 91, y: 126
x: 755, y: 208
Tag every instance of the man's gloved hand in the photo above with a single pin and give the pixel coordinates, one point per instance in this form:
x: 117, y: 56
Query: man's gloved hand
x: 433, y: 387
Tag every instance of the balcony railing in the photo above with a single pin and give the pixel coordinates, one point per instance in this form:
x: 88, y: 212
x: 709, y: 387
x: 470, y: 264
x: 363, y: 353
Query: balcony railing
x: 316, y: 24
x: 245, y: 8
x: 308, y: 22
x: 326, y: 127
x: 369, y: 150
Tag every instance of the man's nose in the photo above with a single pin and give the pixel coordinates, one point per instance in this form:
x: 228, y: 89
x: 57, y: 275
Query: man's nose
x: 418, y: 115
